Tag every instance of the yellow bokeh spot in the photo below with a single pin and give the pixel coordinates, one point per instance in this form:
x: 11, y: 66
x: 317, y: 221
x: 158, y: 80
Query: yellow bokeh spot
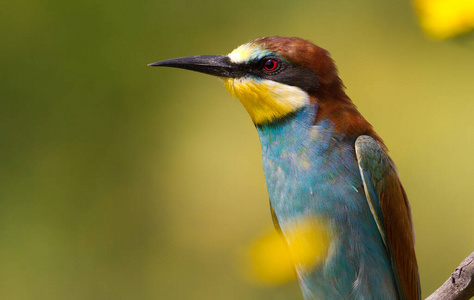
x: 443, y: 19
x: 272, y: 259
x: 269, y: 261
x: 308, y: 243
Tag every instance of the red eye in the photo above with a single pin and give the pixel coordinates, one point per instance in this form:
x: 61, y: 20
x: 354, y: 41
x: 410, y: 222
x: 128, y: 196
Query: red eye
x: 270, y: 64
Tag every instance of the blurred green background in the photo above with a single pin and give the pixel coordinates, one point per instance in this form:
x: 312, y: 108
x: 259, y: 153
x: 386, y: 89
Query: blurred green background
x: 120, y: 181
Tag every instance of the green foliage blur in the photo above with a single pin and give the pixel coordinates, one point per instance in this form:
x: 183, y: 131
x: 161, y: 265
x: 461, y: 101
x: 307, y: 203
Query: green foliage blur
x: 120, y: 181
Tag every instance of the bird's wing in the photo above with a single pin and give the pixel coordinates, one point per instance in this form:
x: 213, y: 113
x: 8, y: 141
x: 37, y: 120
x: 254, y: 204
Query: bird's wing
x: 391, y: 210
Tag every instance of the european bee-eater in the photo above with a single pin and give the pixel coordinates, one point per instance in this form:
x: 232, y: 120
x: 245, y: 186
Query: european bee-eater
x: 335, y: 195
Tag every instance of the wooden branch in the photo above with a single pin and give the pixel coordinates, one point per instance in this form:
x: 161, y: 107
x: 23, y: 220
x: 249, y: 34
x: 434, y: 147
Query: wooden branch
x: 460, y: 286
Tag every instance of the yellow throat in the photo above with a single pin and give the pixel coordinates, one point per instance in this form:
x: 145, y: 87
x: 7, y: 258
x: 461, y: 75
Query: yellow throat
x: 264, y: 100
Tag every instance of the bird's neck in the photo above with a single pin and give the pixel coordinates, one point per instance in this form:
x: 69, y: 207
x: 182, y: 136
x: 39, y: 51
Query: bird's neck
x: 296, y: 133
x: 334, y: 105
x: 287, y: 133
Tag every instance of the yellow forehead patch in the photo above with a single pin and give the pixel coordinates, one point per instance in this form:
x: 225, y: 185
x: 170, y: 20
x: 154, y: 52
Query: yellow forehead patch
x: 266, y: 100
x: 248, y: 52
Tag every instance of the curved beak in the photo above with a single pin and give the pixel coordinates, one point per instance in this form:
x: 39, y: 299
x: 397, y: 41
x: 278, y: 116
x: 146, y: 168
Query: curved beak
x: 216, y: 65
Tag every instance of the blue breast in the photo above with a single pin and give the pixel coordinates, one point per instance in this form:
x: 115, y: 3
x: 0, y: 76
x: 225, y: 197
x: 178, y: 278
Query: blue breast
x: 311, y: 171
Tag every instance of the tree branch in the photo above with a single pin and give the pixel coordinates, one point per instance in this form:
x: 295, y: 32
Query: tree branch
x: 460, y: 286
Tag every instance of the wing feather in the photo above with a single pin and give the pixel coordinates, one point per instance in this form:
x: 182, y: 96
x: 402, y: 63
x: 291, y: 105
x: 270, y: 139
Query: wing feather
x: 389, y: 205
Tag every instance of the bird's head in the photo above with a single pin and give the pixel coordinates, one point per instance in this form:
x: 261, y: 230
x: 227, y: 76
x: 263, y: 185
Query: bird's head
x: 272, y: 77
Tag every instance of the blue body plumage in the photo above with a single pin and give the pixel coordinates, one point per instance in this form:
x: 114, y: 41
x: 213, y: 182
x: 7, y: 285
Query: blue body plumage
x: 311, y: 172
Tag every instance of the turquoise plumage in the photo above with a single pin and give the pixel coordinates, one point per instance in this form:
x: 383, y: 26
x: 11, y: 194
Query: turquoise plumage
x: 330, y: 186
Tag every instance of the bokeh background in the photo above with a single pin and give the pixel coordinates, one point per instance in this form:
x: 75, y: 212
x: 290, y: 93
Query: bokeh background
x: 119, y: 181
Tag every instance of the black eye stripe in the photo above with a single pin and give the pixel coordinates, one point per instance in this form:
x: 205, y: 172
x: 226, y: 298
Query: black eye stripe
x: 284, y: 72
x: 257, y: 67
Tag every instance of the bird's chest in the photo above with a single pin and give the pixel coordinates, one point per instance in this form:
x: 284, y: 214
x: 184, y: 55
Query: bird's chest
x: 309, y: 171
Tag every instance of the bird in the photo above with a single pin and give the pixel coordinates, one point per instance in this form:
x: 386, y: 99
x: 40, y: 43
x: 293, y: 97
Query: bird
x: 335, y: 195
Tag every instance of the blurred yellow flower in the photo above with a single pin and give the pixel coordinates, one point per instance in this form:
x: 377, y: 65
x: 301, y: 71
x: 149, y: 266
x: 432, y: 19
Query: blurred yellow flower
x: 443, y: 19
x: 272, y: 261
x: 268, y: 260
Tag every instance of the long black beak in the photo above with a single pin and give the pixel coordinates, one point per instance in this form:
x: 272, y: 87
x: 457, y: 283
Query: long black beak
x: 217, y: 65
